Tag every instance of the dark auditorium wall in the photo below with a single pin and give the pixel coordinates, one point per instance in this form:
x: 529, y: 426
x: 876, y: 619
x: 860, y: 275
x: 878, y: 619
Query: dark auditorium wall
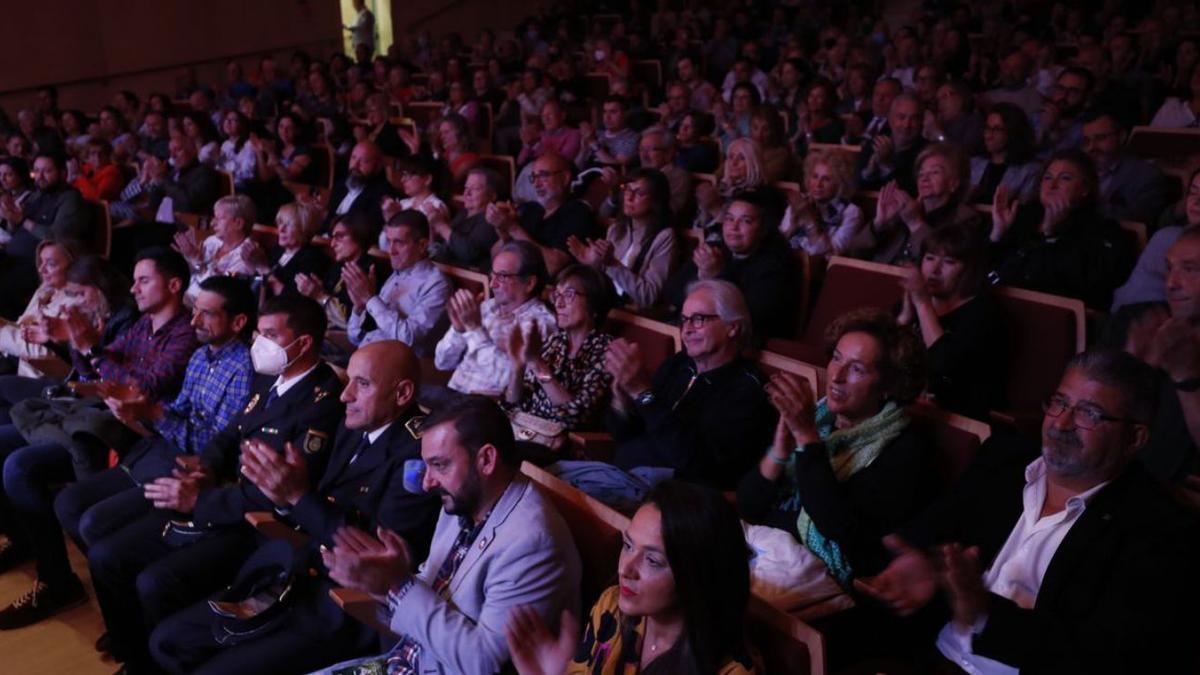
x: 96, y: 47
x: 130, y: 42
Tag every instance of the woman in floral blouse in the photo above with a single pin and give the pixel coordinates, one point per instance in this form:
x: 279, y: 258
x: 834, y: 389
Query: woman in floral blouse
x: 565, y: 380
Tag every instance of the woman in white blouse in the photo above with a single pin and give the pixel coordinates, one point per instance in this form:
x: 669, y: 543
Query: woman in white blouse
x: 640, y: 250
x: 237, y: 153
x: 49, y: 300
x: 227, y: 251
x: 823, y: 220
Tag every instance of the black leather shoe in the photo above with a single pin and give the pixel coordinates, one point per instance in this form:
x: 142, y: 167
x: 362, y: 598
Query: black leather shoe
x: 43, y: 601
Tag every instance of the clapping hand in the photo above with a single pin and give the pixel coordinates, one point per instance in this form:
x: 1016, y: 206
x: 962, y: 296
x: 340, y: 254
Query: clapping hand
x: 1004, y: 212
x: 534, y: 649
x: 708, y: 260
x: 1057, y: 207
x: 178, y: 492
x: 623, y: 360
x: 907, y: 584
x: 463, y: 310
x: 188, y: 244
x: 791, y: 396
x: 282, y: 477
x: 524, y: 345
x: 310, y: 285
x: 360, y: 286
x: 358, y: 560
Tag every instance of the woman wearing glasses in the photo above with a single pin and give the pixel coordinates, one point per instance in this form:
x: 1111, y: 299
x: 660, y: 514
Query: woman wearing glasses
x: 1007, y: 158
x: 350, y: 240
x: 639, y: 251
x: 849, y: 468
x: 564, y: 380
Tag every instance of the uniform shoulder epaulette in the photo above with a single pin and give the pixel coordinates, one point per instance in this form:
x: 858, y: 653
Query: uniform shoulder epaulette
x: 413, y: 425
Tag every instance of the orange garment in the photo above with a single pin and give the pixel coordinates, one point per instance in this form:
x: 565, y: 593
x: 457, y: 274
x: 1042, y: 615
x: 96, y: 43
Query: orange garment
x: 103, y: 184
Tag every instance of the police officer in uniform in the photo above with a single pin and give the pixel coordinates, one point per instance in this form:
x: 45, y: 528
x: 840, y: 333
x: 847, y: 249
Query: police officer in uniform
x: 364, y: 486
x: 197, y: 537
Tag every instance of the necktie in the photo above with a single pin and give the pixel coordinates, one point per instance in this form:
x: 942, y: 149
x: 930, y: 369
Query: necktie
x: 272, y: 396
x: 362, y: 445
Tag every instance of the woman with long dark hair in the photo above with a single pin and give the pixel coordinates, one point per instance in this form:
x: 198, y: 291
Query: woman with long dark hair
x: 639, y: 251
x: 679, y: 605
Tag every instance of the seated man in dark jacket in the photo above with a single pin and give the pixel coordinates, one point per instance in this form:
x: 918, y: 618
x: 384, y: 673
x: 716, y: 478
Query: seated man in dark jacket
x: 1076, y: 562
x: 752, y: 255
x: 704, y: 416
x: 363, y: 486
x: 363, y: 190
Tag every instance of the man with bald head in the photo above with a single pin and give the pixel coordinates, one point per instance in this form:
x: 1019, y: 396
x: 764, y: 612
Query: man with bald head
x: 551, y: 220
x: 363, y: 486
x: 363, y: 190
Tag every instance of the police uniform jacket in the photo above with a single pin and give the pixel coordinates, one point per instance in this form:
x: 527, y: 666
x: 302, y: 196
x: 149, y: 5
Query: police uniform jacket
x: 306, y: 415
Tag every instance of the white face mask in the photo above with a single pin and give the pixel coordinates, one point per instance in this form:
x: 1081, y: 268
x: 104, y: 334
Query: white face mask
x: 268, y: 357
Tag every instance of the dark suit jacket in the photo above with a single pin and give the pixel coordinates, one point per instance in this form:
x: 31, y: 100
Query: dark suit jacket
x: 1120, y: 592
x: 370, y: 492
x: 368, y: 202
x: 307, y: 415
x: 194, y: 190
x: 308, y: 260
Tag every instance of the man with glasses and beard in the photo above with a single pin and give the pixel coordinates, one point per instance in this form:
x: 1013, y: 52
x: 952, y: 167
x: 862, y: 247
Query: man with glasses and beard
x: 498, y: 545
x: 1074, y: 562
x: 551, y: 220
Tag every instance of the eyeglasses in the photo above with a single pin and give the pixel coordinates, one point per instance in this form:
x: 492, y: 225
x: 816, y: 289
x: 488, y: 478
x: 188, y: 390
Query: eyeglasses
x: 1083, y: 415
x: 696, y: 321
x: 543, y: 175
x: 635, y: 191
x: 505, y: 276
x: 564, y: 295
x: 340, y: 235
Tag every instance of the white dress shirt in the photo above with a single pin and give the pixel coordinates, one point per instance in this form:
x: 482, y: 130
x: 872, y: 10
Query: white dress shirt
x: 1019, y: 567
x: 410, y: 307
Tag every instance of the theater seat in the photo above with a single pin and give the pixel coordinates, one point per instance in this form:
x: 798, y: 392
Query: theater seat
x: 955, y: 438
x: 1045, y: 331
x: 786, y: 644
x: 658, y: 341
x: 848, y: 284
x: 595, y: 527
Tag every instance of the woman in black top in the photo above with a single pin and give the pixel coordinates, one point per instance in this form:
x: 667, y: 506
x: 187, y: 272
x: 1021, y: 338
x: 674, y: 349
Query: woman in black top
x: 1061, y: 245
x: 947, y: 304
x: 350, y: 240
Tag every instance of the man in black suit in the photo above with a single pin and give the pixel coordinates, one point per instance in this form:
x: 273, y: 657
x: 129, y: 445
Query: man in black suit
x: 1077, y: 562
x: 364, y: 486
x: 197, y: 537
x: 363, y: 190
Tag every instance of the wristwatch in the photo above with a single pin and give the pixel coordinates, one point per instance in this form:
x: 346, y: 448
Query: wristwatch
x: 645, y: 398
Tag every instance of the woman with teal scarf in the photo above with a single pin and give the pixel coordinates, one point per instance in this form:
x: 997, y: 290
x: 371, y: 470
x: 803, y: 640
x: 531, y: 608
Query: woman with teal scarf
x: 848, y: 469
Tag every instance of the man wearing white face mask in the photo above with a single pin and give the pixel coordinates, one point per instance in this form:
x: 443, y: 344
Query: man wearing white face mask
x: 195, y: 540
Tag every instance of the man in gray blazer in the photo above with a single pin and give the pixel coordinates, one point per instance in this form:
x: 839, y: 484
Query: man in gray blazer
x: 498, y: 545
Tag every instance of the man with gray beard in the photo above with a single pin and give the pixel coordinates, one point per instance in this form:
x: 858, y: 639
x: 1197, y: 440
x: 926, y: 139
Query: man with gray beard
x: 1075, y: 562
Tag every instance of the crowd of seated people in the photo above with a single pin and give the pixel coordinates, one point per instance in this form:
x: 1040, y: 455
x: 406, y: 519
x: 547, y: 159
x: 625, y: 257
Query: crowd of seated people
x: 352, y: 296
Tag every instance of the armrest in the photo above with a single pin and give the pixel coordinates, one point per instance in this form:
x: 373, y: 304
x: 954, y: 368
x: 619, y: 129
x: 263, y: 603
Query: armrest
x: 362, y: 607
x: 597, y: 446
x: 270, y: 527
x: 52, y: 367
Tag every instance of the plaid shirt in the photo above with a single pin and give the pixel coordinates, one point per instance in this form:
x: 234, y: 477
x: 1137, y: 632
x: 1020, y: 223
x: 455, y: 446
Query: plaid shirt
x: 215, y: 388
x: 403, y: 659
x: 154, y: 361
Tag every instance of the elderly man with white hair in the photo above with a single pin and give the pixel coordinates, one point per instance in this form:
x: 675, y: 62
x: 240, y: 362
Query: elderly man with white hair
x: 701, y: 417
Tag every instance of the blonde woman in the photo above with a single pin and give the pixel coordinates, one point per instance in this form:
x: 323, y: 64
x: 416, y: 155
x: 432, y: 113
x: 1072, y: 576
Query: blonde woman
x: 822, y: 220
x: 49, y: 300
x: 295, y: 254
x: 741, y: 170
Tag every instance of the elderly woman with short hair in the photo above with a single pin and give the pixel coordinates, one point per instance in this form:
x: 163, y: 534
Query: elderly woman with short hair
x: 228, y: 251
x: 822, y: 220
x: 902, y: 222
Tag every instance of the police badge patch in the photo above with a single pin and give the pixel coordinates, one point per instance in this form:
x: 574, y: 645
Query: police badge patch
x: 315, y: 441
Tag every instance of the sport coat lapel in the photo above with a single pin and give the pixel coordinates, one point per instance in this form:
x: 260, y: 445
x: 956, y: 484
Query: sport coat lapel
x: 500, y: 513
x: 1096, y: 519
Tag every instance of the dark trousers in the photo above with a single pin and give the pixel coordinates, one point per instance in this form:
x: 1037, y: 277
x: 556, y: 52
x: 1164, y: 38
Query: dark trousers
x: 15, y: 388
x: 10, y: 441
x: 29, y: 474
x: 307, y: 640
x: 140, y: 579
x: 99, y: 505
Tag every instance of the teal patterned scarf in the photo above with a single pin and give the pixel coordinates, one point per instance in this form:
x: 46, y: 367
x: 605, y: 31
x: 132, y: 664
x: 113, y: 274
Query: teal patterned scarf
x: 850, y: 451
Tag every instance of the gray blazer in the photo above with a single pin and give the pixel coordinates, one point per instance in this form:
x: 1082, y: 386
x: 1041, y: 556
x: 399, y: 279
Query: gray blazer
x: 1023, y: 179
x: 524, y: 556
